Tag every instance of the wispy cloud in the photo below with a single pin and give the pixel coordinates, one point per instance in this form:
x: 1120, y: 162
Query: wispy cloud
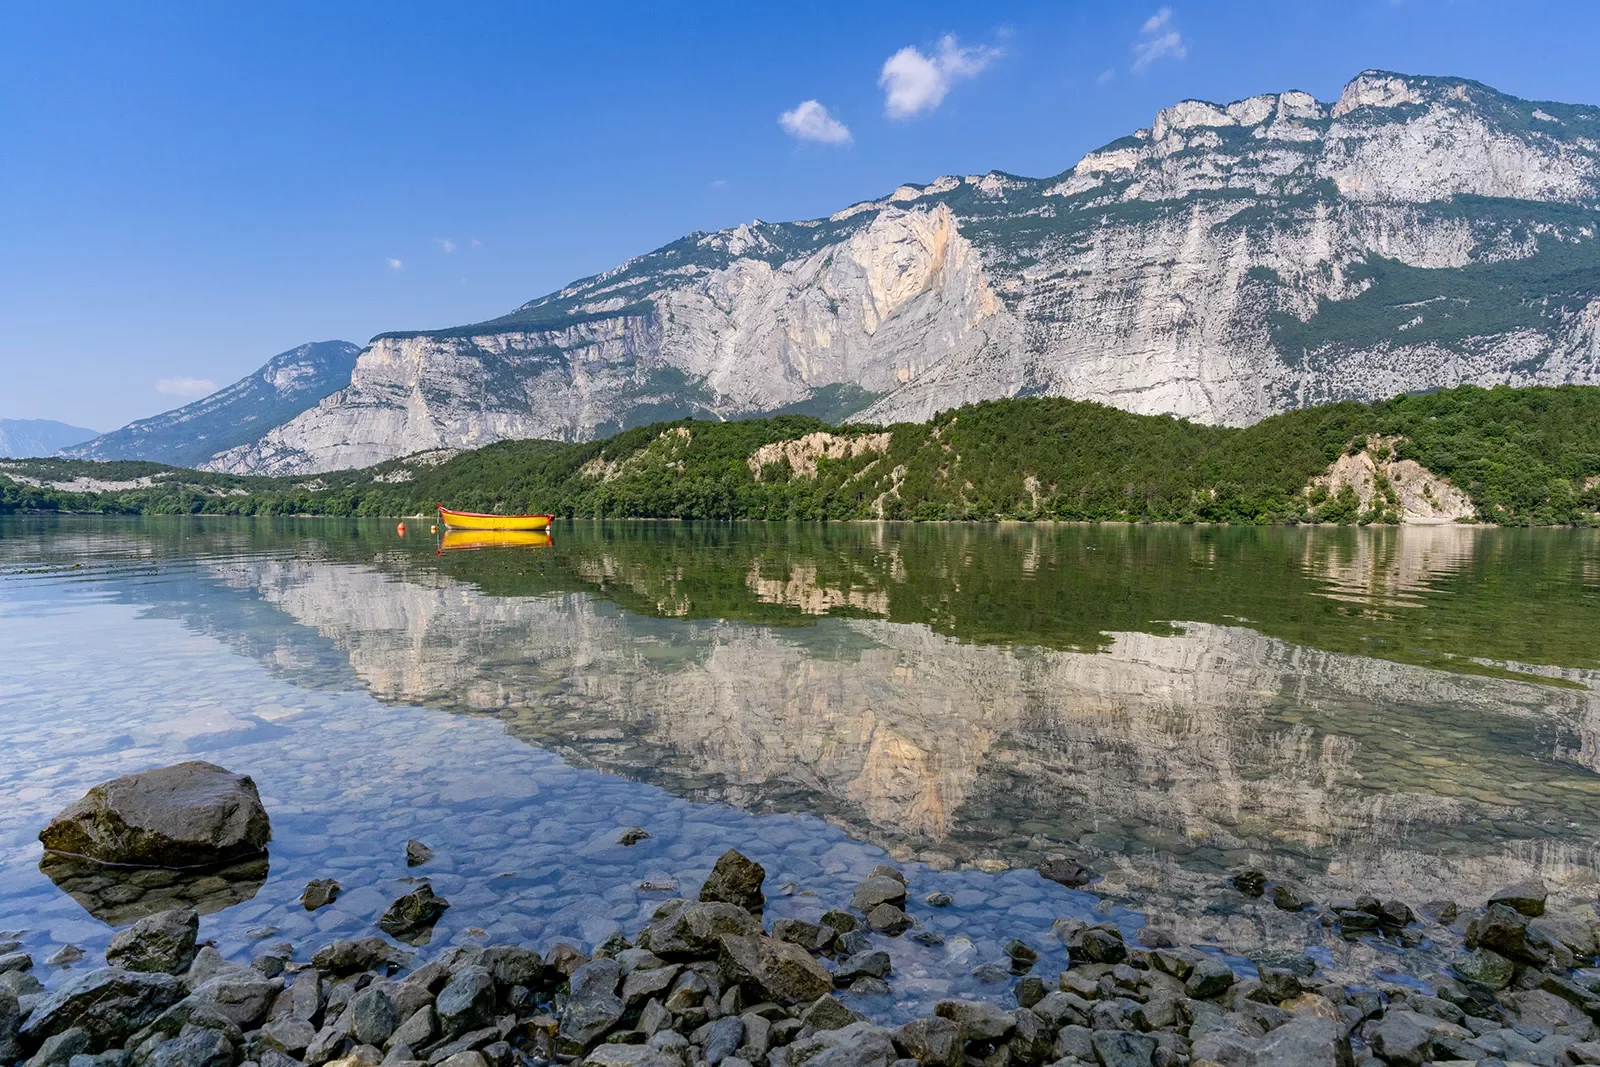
x: 189, y: 388
x: 395, y: 264
x: 913, y: 83
x: 1158, y: 39
x: 475, y: 242
x: 810, y: 121
x: 1105, y: 76
x: 445, y: 243
x: 719, y: 183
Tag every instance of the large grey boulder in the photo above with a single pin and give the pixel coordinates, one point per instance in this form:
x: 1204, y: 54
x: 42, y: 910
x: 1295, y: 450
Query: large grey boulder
x: 979, y: 1020
x: 1526, y: 898
x: 10, y: 1020
x: 347, y: 956
x: 770, y: 969
x: 240, y: 995
x: 372, y: 1016
x: 879, y: 889
x: 735, y: 879
x: 932, y: 1041
x: 109, y: 1004
x: 857, y: 1045
x: 1301, y: 1042
x: 1406, y: 1037
x: 466, y: 1002
x: 197, y: 1048
x: 186, y: 815
x: 163, y: 942
x: 681, y: 928
x: 593, y: 1006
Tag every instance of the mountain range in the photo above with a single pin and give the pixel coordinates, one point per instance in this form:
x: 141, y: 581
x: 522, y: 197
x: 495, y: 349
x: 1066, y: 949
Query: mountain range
x: 235, y: 416
x: 20, y: 438
x: 1225, y: 263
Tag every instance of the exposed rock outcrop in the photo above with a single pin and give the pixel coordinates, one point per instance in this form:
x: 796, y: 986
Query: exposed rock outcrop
x: 1381, y: 483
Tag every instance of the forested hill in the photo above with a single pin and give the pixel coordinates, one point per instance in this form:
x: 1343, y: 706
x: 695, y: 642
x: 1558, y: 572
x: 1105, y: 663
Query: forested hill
x: 1518, y: 455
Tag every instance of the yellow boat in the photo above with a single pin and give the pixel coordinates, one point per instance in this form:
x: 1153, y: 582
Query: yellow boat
x: 472, y: 520
x: 475, y: 539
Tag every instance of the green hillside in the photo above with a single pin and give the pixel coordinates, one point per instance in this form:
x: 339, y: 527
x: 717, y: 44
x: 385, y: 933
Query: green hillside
x: 1522, y: 455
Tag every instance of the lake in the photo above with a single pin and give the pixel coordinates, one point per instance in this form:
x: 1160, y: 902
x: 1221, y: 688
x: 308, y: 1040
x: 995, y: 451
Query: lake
x: 1405, y: 712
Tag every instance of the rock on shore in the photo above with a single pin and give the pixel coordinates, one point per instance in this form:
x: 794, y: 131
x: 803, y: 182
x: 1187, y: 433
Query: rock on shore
x: 706, y: 984
x: 186, y: 815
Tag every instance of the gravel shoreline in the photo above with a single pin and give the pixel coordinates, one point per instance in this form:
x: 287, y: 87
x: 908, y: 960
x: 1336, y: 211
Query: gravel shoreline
x: 707, y: 982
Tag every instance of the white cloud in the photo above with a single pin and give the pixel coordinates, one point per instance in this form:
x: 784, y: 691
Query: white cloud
x: 810, y: 121
x: 913, y: 83
x: 395, y: 264
x: 186, y: 387
x: 720, y: 183
x: 445, y: 243
x: 1105, y: 76
x: 1158, y: 39
x: 476, y: 243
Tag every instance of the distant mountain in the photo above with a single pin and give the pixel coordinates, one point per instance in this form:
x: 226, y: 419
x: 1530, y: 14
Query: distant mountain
x: 1225, y: 263
x: 238, y: 415
x: 21, y: 438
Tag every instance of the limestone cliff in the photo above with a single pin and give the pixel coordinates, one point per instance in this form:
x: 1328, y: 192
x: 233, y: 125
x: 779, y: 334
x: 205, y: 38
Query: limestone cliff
x: 1223, y: 264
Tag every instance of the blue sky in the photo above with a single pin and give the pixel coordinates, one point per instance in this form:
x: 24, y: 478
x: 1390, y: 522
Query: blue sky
x: 187, y: 189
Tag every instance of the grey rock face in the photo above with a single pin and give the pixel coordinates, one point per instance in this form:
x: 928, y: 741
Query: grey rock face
x: 186, y: 815
x: 161, y: 942
x: 880, y: 889
x: 736, y: 879
x: 772, y: 970
x: 857, y: 1045
x: 61, y: 1048
x: 888, y: 919
x: 979, y: 1020
x: 466, y: 1002
x: 630, y: 1056
x: 10, y: 1020
x: 827, y: 1013
x: 683, y: 928
x: 418, y: 1030
x: 241, y: 996
x: 1484, y: 967
x: 1222, y: 264
x: 723, y: 1039
x: 320, y: 892
x: 1525, y: 897
x: 411, y: 917
x: 198, y: 1048
x: 1123, y: 1048
x: 347, y: 956
x: 1210, y: 977
x: 593, y: 1006
x: 108, y: 1004
x: 372, y: 1017
x: 932, y: 1041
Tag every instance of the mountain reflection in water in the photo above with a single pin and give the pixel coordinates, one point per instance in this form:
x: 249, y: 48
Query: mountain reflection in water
x: 1403, y: 712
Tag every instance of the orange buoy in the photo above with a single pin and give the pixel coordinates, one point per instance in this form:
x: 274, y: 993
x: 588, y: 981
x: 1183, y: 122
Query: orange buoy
x: 401, y: 529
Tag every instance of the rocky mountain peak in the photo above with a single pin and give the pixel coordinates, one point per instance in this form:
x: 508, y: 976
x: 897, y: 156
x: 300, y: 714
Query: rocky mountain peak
x: 1227, y: 262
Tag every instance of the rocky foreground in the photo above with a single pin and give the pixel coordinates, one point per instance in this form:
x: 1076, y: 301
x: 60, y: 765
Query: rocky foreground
x: 707, y: 983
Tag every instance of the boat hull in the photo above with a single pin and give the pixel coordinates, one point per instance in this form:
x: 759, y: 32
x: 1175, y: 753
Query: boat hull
x: 472, y: 520
x: 454, y: 540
